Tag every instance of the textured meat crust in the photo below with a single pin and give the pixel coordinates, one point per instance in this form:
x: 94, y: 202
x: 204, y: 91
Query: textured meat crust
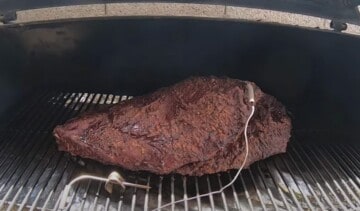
x: 194, y: 127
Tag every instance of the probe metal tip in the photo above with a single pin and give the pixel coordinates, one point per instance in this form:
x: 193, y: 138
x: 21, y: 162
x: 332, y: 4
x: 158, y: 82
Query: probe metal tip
x: 251, y: 94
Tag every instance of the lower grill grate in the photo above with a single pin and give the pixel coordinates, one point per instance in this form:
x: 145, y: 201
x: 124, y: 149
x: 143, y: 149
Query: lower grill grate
x: 33, y: 173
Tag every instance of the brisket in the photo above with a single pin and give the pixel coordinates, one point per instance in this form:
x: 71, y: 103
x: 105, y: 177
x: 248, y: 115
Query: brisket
x: 194, y: 127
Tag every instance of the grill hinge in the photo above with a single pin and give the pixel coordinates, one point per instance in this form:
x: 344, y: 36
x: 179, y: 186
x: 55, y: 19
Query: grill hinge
x: 7, y: 17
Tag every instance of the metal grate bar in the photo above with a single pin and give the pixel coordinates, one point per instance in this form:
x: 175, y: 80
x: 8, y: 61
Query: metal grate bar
x: 30, y: 169
x: 283, y: 181
x: 6, y: 144
x: 5, y: 149
x: 133, y: 199
x: 26, y: 109
x: 56, y: 162
x: 210, y: 196
x: 246, y: 192
x: 235, y: 195
x: 45, y: 176
x: 278, y: 181
x: 22, y: 113
x: 346, y: 162
x: 94, y: 204
x: 323, y: 180
x: 345, y: 166
x: 107, y: 204
x: 9, y: 145
x: 312, y: 180
x: 85, y: 194
x: 120, y: 203
x: 222, y: 193
x: 172, y: 192
x: 334, y: 165
x: 146, y: 200
x: 198, y: 200
x: 10, y: 189
x: 185, y: 194
x: 342, y: 191
x: 16, y: 162
x: 307, y: 186
x: 268, y: 190
x: 353, y: 157
x: 37, y: 197
x: 322, y: 175
x: 160, y: 192
x: 287, y: 206
x: 259, y: 195
x: 47, y: 201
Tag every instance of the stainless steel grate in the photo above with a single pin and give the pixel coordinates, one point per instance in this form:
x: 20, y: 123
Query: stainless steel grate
x: 33, y: 173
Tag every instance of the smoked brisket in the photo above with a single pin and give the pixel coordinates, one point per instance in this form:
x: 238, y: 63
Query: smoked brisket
x: 194, y: 127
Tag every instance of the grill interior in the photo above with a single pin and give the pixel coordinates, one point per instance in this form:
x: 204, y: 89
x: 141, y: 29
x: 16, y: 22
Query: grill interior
x: 33, y: 173
x: 313, y: 73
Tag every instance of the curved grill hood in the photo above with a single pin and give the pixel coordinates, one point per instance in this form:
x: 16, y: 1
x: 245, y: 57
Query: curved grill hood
x: 343, y: 11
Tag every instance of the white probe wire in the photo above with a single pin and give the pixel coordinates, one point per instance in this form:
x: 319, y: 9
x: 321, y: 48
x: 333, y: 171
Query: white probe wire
x: 237, y: 174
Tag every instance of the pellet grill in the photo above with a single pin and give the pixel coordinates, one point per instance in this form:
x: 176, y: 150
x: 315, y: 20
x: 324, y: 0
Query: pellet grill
x: 58, y: 60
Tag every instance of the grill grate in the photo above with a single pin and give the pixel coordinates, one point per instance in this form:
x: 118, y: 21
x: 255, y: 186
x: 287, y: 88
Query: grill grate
x: 33, y: 173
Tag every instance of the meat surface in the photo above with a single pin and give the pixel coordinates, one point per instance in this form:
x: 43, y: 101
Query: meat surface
x: 194, y: 127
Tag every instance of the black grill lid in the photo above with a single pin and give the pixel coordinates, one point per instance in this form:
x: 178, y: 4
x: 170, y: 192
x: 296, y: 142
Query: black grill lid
x: 344, y: 11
